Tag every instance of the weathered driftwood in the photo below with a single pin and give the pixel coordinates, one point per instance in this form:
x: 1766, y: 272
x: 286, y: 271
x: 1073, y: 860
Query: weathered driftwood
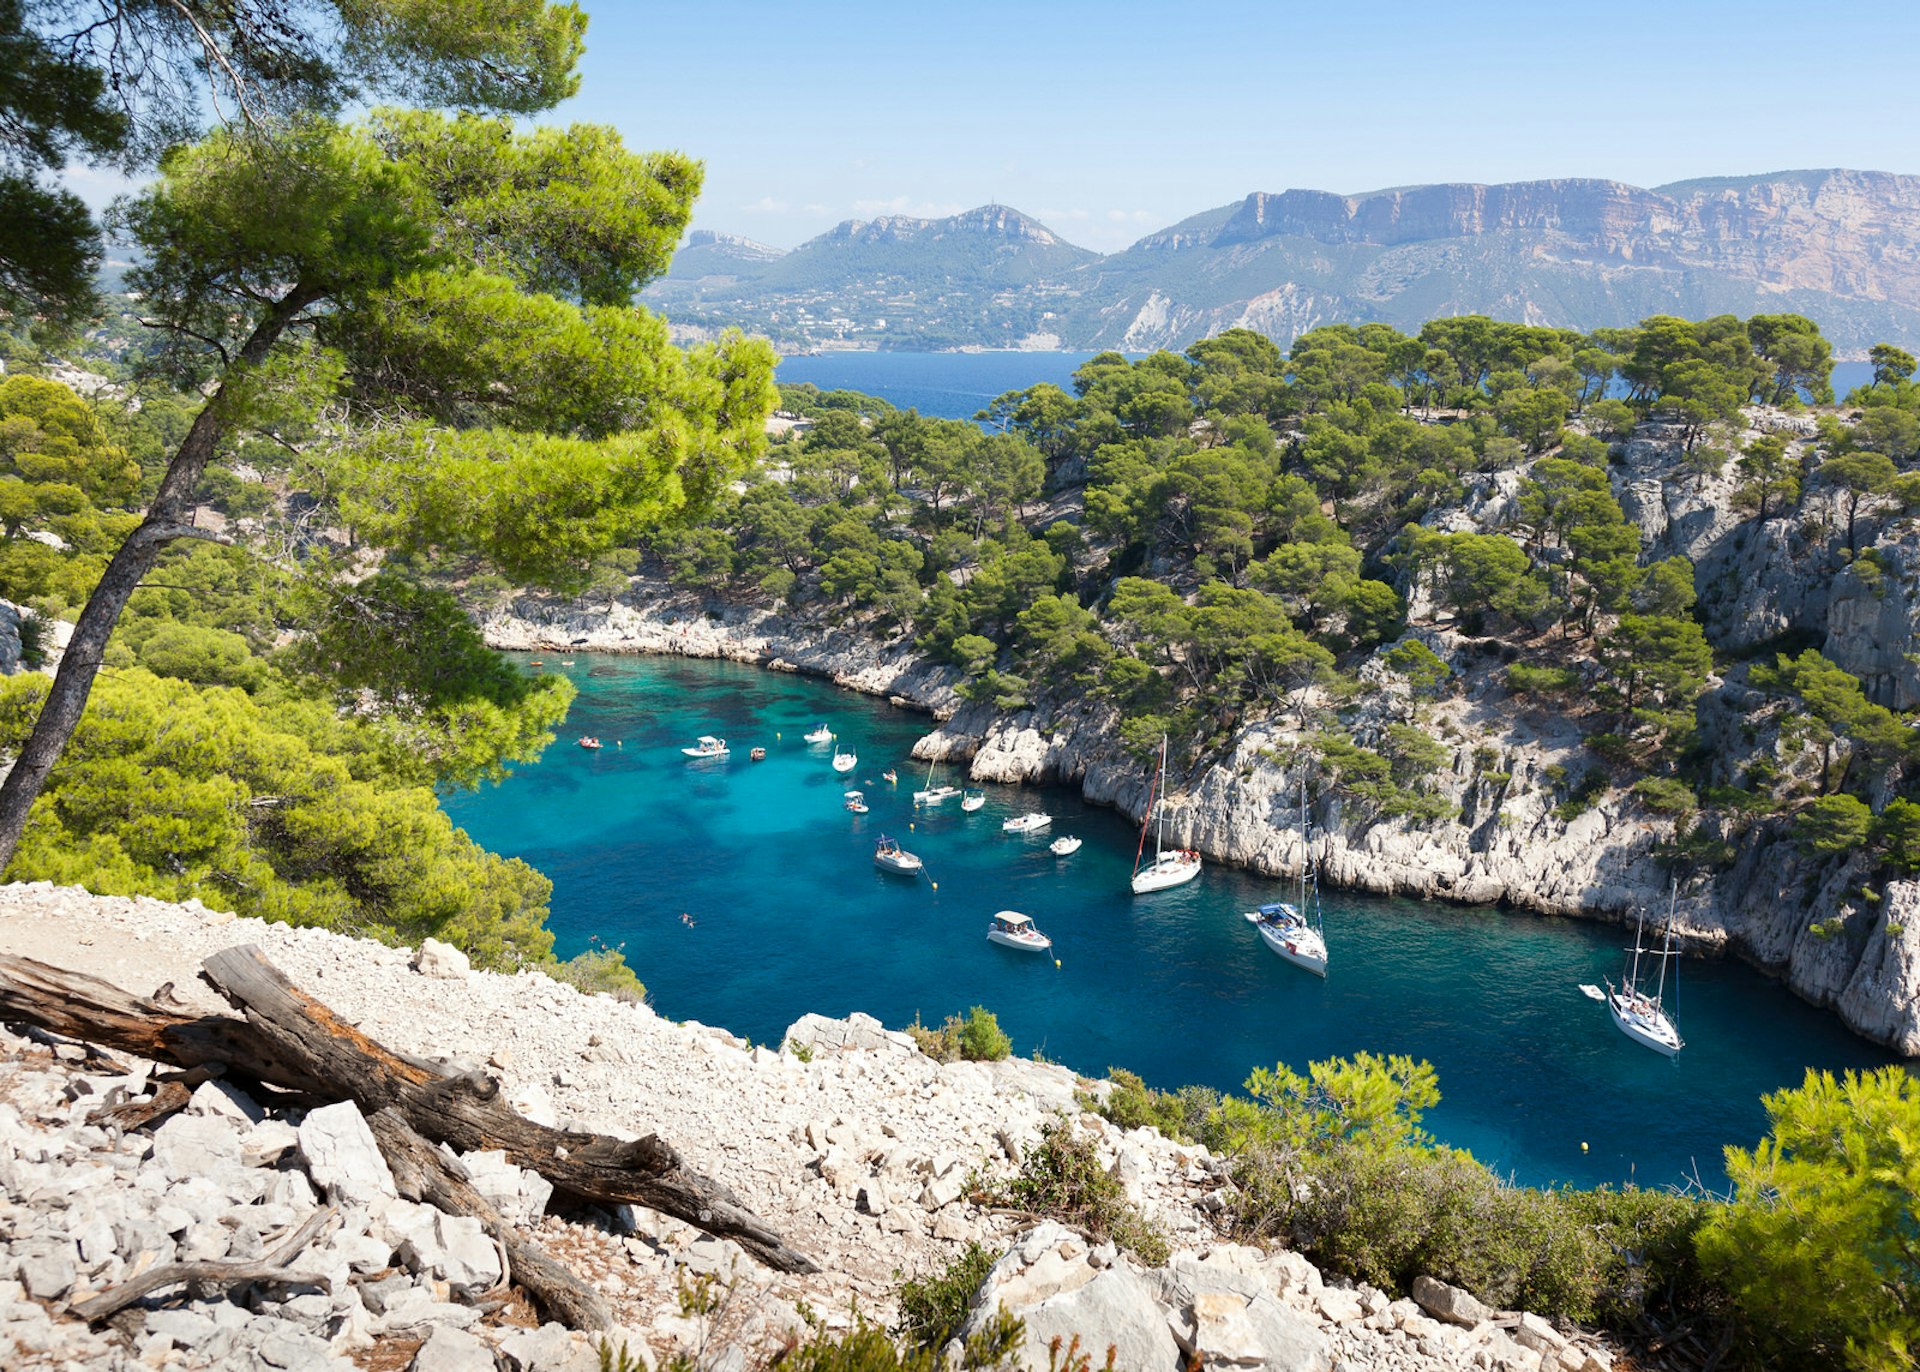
x: 291, y: 1041
x: 270, y: 1266
x: 423, y: 1173
x: 467, y: 1112
x: 126, y: 1116
x: 94, y: 1011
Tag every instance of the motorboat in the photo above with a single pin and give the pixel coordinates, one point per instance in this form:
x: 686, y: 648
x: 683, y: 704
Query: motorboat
x: 1030, y: 823
x: 820, y: 733
x: 889, y: 856
x: 757, y: 755
x: 589, y: 742
x: 1064, y: 847
x: 972, y: 800
x: 1293, y: 928
x: 1011, y: 929
x: 845, y: 762
x: 708, y: 746
x: 857, y: 802
x: 1170, y: 866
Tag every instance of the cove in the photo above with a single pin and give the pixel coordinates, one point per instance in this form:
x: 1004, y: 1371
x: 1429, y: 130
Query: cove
x: 784, y: 913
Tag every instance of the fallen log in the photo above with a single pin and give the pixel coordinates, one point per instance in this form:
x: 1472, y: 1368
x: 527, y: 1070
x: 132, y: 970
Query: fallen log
x: 423, y: 1173
x: 273, y: 1266
x: 294, y: 1042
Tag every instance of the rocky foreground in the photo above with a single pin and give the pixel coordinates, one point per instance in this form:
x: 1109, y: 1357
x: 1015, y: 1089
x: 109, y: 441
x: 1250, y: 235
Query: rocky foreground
x: 846, y: 1139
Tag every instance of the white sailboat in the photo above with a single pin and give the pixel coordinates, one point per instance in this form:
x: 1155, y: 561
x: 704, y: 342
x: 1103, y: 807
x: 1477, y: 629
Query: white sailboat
x: 931, y: 794
x: 1168, y: 868
x: 1292, y: 928
x: 1642, y: 1017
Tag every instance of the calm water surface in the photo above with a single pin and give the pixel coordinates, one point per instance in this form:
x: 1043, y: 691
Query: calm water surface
x: 960, y: 385
x: 789, y: 915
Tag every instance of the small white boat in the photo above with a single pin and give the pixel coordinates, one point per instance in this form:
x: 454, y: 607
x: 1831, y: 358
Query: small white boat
x: 820, y: 733
x: 1170, y: 867
x: 972, y: 800
x: 931, y: 794
x: 708, y: 746
x: 845, y: 762
x: 889, y: 856
x: 589, y: 742
x: 857, y: 802
x: 1011, y: 929
x: 1030, y: 823
x: 1064, y: 847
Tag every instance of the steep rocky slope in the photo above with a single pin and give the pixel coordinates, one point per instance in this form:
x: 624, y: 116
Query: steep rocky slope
x: 1509, y: 837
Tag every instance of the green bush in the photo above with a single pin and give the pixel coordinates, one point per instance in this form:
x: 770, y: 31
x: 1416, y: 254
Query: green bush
x: 1817, y: 1247
x: 1665, y: 796
x: 977, y: 1038
x: 1132, y: 1104
x: 933, y: 1308
x: 600, y: 970
x: 1525, y: 680
x: 1061, y: 1178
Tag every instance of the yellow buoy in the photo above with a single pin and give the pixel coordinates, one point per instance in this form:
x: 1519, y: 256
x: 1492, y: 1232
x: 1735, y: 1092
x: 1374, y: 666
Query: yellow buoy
x: 1056, y: 962
x: 933, y: 883
x: 1583, y: 1145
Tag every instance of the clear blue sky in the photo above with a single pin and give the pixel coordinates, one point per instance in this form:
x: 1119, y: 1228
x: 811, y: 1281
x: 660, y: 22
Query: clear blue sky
x: 1108, y: 121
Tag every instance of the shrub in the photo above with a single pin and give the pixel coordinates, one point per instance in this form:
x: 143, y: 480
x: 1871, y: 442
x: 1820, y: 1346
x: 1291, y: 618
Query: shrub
x: 977, y: 1038
x: 932, y: 1308
x: 1525, y: 680
x: 599, y: 969
x: 36, y: 632
x: 1061, y: 1178
x: 1664, y: 795
x: 1817, y: 1246
x: 1132, y: 1104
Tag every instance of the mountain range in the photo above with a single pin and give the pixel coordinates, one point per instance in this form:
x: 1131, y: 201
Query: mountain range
x: 1842, y: 247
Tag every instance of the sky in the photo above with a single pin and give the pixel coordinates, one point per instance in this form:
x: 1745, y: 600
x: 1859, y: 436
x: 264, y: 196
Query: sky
x: 1109, y: 121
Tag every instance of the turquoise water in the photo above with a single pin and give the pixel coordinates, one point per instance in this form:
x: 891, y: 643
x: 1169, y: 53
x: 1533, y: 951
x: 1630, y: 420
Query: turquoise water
x: 789, y: 915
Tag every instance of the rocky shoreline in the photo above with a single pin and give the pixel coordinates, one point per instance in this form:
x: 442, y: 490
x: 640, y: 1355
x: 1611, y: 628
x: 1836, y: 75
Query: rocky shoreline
x: 853, y: 1144
x: 1509, y: 845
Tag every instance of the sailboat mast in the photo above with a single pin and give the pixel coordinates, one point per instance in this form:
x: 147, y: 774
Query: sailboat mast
x: 1160, y: 820
x: 1666, y: 952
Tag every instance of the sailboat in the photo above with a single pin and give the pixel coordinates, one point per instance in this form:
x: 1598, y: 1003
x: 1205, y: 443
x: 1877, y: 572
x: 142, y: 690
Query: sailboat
x: 1175, y: 868
x: 1641, y: 1017
x: 933, y: 795
x: 1292, y: 928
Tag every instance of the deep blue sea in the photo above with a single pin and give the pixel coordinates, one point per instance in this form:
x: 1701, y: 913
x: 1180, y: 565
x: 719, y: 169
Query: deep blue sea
x: 960, y: 385
x: 745, y: 895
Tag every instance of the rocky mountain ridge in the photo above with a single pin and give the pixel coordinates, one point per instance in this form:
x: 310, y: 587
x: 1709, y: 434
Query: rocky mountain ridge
x: 1838, y: 245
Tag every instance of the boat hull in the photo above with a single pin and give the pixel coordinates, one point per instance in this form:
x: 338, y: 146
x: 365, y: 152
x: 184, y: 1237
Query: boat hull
x: 1302, y: 947
x: 1033, y: 943
x: 1653, y: 1031
x: 1065, y: 847
x: 1164, y: 875
x: 1028, y: 824
x: 906, y: 865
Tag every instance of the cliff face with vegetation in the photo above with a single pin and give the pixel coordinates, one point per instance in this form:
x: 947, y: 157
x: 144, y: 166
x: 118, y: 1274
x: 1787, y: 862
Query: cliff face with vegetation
x: 1519, y: 643
x: 1840, y: 245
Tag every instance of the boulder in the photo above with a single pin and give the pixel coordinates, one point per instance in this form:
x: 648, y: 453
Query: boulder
x: 1449, y: 1303
x: 449, y: 1349
x: 342, y: 1156
x: 437, y: 959
x: 1046, y: 1281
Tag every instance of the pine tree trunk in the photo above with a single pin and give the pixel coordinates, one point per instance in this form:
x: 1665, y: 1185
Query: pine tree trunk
x: 168, y: 518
